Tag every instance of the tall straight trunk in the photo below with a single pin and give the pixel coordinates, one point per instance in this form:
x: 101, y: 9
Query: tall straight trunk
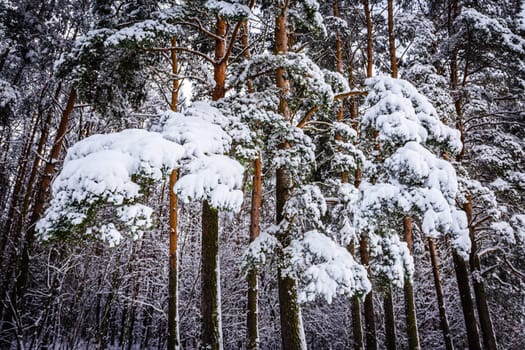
x: 292, y: 333
x: 357, y: 324
x: 173, y: 309
x: 219, y: 69
x: 370, y: 325
x: 369, y: 42
x: 357, y: 327
x: 392, y: 39
x: 211, y: 337
x: 447, y: 336
x: 390, y: 320
x: 252, y: 315
x: 410, y: 305
x: 370, y: 333
x: 487, y: 330
x: 255, y: 215
x: 467, y: 305
x: 453, y: 12
x: 210, y: 282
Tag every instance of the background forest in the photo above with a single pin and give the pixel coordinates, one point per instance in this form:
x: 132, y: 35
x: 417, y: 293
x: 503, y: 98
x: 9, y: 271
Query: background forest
x: 262, y: 174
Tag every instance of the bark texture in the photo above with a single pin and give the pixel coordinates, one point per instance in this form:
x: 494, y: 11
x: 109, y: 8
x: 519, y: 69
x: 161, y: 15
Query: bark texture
x: 173, y: 309
x: 467, y: 305
x: 410, y: 304
x: 211, y: 337
x: 487, y: 330
x: 370, y: 325
x: 255, y: 214
x: 445, y: 328
x: 390, y: 320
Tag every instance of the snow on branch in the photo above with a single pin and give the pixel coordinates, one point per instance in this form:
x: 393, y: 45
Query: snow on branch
x: 399, y: 113
x: 324, y: 268
x: 104, y: 178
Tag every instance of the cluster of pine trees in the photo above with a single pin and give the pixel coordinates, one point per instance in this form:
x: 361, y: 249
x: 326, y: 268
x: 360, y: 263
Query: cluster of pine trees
x: 262, y: 174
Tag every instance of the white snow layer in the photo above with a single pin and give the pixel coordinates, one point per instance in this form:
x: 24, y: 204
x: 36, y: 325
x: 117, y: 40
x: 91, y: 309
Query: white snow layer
x: 399, y: 113
x: 324, y: 268
x: 409, y: 179
x: 113, y: 168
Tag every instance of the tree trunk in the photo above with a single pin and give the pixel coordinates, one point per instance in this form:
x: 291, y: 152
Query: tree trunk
x: 210, y: 282
x: 252, y: 317
x: 211, y: 337
x: 219, y: 69
x: 369, y: 42
x: 173, y: 309
x: 357, y: 327
x: 466, y: 301
x: 487, y: 330
x: 370, y: 326
x: 453, y: 12
x: 390, y: 320
x: 392, y: 39
x: 370, y: 332
x: 447, y: 336
x: 410, y: 304
x: 255, y: 214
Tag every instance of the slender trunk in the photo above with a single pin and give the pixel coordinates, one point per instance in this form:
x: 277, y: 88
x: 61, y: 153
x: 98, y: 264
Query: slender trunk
x: 447, y: 336
x: 453, y: 12
x: 210, y: 282
x: 487, y: 330
x: 219, y: 69
x: 370, y: 326
x: 173, y: 309
x: 466, y: 301
x: 357, y: 327
x: 390, y: 320
x: 173, y: 314
x: 392, y: 39
x: 252, y: 317
x: 369, y: 42
x: 370, y: 333
x: 410, y: 304
x: 255, y: 214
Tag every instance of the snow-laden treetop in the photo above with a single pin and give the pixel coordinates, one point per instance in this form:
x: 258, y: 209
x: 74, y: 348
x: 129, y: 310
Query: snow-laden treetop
x: 113, y: 172
x: 399, y: 113
x: 404, y: 176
